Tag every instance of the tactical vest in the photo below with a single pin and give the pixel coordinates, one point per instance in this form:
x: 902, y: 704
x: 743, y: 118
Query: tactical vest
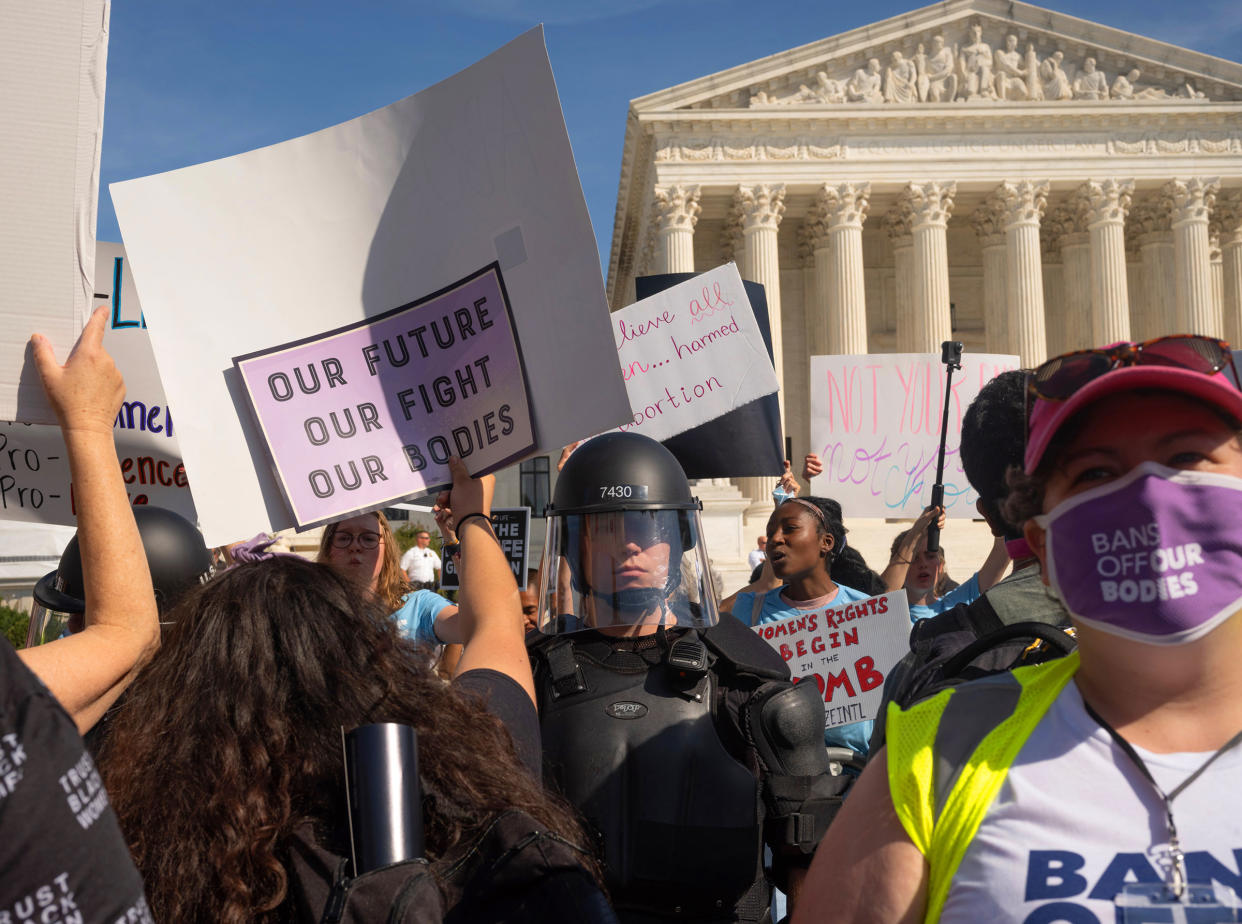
x: 636, y: 749
x: 949, y: 755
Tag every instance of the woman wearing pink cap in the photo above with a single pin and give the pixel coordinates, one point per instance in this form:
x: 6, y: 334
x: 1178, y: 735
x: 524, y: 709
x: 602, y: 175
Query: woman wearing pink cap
x: 1100, y: 787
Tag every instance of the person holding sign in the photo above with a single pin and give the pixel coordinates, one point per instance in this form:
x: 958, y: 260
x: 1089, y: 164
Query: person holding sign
x: 679, y: 737
x: 917, y: 570
x: 244, y: 709
x: 1094, y: 787
x: 363, y: 549
x: 62, y: 853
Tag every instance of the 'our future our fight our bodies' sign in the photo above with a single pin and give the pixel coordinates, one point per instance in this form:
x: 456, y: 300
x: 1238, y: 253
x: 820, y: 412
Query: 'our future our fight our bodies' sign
x: 360, y: 416
x: 846, y: 650
x: 690, y: 354
x: 875, y: 423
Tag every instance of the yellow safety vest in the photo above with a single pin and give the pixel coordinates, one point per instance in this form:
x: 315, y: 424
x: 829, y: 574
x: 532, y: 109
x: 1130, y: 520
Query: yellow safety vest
x: 948, y: 756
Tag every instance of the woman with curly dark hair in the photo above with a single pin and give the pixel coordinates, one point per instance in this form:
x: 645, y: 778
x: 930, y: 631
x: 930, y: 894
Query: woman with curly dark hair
x: 231, y: 739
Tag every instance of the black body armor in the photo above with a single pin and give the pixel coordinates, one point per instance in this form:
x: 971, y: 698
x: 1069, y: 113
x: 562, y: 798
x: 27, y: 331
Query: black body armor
x: 631, y: 739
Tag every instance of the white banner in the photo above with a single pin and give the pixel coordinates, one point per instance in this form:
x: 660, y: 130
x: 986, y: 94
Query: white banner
x: 338, y: 227
x: 35, y: 486
x: 53, y: 56
x: 690, y: 354
x: 847, y: 651
x: 875, y: 423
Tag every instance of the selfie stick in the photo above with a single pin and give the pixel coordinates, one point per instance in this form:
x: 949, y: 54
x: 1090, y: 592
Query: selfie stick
x: 951, y: 356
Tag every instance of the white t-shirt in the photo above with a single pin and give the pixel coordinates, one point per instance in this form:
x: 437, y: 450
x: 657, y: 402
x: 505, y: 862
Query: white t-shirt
x: 1075, y: 819
x: 420, y: 564
x: 756, y: 558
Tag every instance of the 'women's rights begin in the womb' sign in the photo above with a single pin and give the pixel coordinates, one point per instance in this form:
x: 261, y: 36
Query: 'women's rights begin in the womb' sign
x: 363, y: 415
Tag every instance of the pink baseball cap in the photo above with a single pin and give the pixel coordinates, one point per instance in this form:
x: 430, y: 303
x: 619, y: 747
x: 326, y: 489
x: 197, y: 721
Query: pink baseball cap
x: 1047, y: 417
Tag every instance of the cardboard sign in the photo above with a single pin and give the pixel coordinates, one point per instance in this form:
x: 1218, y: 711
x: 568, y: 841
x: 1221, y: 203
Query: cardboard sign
x: 512, y: 525
x: 281, y: 244
x: 690, y: 354
x: 875, y: 423
x: 369, y: 413
x: 53, y: 57
x: 846, y: 650
x: 747, y: 439
x: 35, y: 486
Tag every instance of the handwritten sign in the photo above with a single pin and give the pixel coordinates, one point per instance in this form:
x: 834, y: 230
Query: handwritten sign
x: 366, y: 414
x: 35, y: 485
x: 875, y: 423
x: 690, y: 354
x: 512, y: 526
x: 280, y: 244
x: 846, y: 650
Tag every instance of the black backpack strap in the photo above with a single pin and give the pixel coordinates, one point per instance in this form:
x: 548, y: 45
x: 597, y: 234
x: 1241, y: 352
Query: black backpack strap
x: 742, y: 648
x: 335, y: 906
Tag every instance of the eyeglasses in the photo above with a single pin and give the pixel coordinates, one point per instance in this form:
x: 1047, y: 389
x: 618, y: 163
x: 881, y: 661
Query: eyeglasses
x: 366, y: 541
x: 1061, y: 376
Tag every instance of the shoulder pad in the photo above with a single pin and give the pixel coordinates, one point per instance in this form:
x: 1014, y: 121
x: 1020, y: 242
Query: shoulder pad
x: 742, y: 647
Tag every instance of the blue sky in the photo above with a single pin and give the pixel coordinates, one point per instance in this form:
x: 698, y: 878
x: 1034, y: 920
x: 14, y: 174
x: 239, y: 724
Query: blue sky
x: 194, y: 80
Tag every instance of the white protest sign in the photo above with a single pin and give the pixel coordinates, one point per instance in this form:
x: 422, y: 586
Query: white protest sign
x: 53, y: 57
x: 690, y: 354
x: 875, y: 423
x: 846, y: 650
x: 376, y: 213
x: 35, y: 486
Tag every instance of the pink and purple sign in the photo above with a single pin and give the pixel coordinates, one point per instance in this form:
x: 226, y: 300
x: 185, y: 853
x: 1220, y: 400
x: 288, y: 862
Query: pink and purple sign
x: 361, y: 416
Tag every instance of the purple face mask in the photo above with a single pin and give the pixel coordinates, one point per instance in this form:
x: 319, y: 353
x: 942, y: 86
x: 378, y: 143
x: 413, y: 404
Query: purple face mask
x: 1155, y: 556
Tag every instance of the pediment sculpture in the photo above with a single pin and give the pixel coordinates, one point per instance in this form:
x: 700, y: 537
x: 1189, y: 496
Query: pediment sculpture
x: 973, y: 70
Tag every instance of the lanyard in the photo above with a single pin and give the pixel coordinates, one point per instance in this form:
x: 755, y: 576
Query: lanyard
x: 1178, y: 877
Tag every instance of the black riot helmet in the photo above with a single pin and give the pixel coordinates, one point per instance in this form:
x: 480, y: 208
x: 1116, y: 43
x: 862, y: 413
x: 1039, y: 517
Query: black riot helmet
x: 624, y: 543
x: 176, y: 555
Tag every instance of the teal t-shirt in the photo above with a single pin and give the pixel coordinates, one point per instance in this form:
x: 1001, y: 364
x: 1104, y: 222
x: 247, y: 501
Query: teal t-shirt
x: 417, y: 616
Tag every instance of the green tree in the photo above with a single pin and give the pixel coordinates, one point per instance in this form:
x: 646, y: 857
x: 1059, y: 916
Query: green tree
x: 406, y: 534
x: 13, y: 624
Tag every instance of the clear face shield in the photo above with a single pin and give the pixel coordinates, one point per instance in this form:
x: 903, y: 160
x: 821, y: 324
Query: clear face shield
x: 625, y: 573
x: 55, y: 614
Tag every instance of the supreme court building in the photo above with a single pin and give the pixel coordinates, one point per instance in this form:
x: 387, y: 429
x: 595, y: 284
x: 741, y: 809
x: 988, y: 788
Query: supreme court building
x: 980, y: 170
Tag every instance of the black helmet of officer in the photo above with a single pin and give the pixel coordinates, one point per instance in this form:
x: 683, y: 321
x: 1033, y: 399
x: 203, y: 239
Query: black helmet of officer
x: 625, y: 527
x: 177, y: 557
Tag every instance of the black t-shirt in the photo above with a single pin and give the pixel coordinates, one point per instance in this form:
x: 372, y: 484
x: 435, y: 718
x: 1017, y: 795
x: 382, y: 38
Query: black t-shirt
x: 61, y: 851
x: 506, y: 700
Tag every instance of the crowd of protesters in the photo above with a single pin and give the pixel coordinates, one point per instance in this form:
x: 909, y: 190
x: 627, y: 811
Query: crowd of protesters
x: 1059, y: 745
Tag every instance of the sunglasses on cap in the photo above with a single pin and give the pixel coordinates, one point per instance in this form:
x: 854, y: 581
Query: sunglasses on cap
x: 1060, y: 377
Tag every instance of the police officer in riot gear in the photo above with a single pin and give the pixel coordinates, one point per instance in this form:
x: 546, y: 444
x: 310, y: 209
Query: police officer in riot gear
x: 679, y: 738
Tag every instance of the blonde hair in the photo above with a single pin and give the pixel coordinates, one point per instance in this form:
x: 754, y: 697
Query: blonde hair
x: 392, y: 586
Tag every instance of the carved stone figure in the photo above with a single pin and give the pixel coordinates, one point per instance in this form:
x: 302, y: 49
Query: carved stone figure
x: 1034, y: 89
x: 1090, y: 83
x: 1124, y: 88
x: 1009, y: 81
x: 900, y: 80
x: 864, y: 86
x: 828, y: 90
x: 937, y: 77
x: 976, y: 66
x: 1056, y: 82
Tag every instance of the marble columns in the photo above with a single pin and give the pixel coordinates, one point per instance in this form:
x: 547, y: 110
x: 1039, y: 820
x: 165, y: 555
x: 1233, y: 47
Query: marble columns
x: 1228, y: 215
x: 897, y: 226
x: 761, y: 208
x: 1190, y: 202
x: 837, y: 217
x: 1159, y: 304
x: 930, y: 205
x: 676, y: 211
x: 1105, y: 205
x: 986, y: 221
x: 1024, y: 204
